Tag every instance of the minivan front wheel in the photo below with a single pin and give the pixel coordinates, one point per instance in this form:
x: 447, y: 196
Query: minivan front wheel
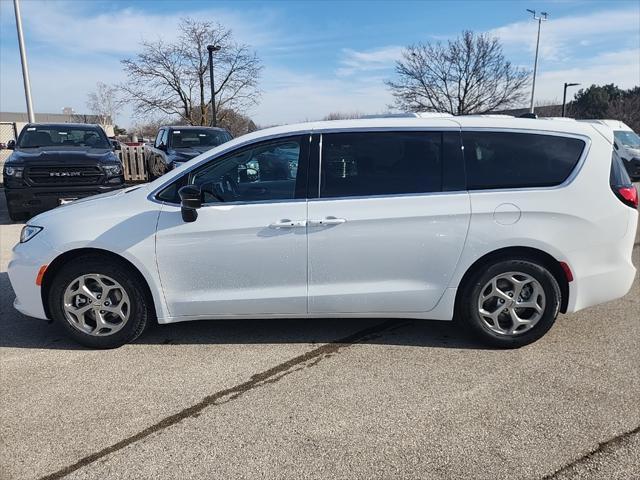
x: 99, y: 302
x: 511, y: 303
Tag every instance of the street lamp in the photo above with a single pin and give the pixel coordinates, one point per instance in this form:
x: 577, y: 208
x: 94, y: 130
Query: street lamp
x: 540, y: 18
x: 564, y: 95
x: 211, y: 49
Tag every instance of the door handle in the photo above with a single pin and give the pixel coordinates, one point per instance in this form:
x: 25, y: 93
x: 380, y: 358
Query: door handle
x: 327, y: 221
x: 286, y: 223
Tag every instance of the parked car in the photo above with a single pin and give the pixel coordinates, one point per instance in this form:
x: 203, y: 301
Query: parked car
x: 626, y: 144
x: 175, y: 145
x: 53, y: 164
x: 501, y: 223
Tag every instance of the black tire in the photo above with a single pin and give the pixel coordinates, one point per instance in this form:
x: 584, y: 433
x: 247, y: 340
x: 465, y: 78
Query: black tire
x: 140, y: 306
x: 467, y: 308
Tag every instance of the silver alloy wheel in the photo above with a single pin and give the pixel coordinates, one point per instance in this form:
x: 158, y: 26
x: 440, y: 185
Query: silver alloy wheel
x: 511, y: 303
x: 96, y: 304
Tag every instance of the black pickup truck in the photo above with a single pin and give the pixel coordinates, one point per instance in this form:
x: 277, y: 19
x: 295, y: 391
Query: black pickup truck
x: 52, y: 164
x: 175, y: 145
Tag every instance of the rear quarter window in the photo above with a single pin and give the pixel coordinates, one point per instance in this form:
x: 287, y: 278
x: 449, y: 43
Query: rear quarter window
x: 518, y: 160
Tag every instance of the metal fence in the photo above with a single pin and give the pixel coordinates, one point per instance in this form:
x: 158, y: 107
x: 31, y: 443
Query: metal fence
x: 7, y: 132
x: 132, y: 158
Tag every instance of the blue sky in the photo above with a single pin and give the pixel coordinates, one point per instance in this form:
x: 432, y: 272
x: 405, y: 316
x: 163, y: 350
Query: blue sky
x: 319, y: 57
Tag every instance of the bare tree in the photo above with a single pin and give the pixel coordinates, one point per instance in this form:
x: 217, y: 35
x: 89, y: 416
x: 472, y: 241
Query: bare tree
x: 148, y: 129
x: 104, y: 103
x: 237, y: 123
x: 173, y: 78
x: 342, y: 116
x: 467, y: 75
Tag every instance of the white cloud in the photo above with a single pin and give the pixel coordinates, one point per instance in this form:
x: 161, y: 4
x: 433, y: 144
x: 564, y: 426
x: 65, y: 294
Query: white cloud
x: 621, y: 68
x: 292, y: 97
x: 561, y: 36
x: 76, y: 27
x: 354, y: 61
x: 71, y: 46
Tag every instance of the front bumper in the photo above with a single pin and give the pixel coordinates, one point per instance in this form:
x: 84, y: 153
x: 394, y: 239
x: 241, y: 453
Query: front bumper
x: 23, y: 269
x: 40, y: 199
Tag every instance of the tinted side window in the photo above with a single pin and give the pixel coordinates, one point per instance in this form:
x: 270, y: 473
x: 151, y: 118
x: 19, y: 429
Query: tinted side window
x: 267, y: 171
x: 380, y: 163
x: 618, y: 176
x: 510, y: 160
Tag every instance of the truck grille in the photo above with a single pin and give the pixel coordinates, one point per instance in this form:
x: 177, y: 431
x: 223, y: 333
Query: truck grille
x: 67, y: 175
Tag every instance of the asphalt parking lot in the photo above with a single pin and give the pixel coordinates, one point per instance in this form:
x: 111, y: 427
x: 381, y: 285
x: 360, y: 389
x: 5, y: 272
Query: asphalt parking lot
x: 320, y: 399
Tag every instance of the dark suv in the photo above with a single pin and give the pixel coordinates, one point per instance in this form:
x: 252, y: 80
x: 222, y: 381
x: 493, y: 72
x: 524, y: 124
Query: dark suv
x: 175, y: 145
x: 53, y: 164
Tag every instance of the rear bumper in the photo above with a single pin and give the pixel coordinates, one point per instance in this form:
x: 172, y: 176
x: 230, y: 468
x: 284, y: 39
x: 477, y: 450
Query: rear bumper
x: 39, y: 199
x: 605, y: 273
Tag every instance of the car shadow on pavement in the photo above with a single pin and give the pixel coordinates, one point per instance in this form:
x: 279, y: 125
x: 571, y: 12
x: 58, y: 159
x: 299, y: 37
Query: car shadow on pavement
x: 19, y: 331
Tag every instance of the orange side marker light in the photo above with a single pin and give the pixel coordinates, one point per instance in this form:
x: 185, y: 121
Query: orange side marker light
x: 43, y: 269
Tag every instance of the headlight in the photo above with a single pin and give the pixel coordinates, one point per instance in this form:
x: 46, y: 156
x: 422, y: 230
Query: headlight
x: 28, y: 232
x: 113, y: 170
x: 13, y: 171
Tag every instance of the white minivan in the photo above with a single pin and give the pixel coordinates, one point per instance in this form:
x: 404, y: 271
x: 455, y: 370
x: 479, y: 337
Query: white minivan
x: 500, y: 223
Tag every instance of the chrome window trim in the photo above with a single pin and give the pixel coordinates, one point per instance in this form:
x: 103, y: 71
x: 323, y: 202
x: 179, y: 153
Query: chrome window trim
x: 152, y: 196
x: 391, y: 195
x: 455, y: 127
x: 572, y: 176
x: 384, y: 195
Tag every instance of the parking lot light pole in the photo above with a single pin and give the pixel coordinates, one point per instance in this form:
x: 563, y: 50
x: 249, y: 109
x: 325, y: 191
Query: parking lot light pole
x: 564, y: 95
x: 23, y: 60
x: 211, y: 49
x: 540, y: 18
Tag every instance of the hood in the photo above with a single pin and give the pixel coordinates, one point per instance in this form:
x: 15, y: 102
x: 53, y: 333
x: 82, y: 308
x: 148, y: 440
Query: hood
x: 62, y: 155
x: 82, y: 204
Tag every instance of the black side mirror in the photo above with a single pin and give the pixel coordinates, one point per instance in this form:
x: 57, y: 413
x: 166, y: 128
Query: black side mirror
x: 615, y: 145
x: 11, y: 145
x: 116, y: 145
x: 190, y: 201
x: 162, y: 147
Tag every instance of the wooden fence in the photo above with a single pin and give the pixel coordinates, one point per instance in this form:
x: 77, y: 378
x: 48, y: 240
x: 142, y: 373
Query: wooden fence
x: 132, y: 157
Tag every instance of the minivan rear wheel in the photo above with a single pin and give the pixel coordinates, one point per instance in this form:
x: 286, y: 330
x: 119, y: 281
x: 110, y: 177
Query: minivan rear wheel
x: 100, y: 303
x: 511, y: 303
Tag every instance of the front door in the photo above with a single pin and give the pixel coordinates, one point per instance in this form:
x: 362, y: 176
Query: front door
x: 246, y: 253
x: 390, y: 222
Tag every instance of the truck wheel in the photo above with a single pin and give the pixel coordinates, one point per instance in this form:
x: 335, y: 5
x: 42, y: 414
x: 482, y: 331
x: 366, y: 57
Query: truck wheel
x: 511, y: 303
x: 100, y: 303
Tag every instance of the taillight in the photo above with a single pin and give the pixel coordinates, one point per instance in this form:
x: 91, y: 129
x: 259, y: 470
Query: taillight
x: 628, y: 195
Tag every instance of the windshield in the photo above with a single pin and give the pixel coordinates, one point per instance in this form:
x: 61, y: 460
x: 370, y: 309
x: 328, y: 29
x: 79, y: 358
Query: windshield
x: 198, y: 138
x: 59, y: 136
x: 627, y: 138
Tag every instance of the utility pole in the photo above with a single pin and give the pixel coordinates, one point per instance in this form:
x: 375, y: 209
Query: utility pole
x: 211, y: 49
x: 540, y: 18
x: 564, y: 95
x: 25, y: 66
